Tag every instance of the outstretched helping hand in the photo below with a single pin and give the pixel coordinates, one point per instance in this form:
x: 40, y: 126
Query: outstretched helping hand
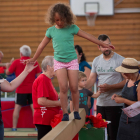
x: 31, y: 60
x: 30, y: 66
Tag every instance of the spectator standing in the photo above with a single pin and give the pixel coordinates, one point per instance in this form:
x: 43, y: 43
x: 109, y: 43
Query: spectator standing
x: 129, y: 128
x: 24, y: 91
x: 109, y: 82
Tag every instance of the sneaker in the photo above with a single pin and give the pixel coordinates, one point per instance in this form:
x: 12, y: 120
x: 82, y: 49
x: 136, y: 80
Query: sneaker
x: 77, y: 116
x: 14, y: 129
x: 65, y: 117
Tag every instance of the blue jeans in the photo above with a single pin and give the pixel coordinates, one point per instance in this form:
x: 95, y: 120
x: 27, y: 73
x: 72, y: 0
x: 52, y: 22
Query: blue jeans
x: 1, y: 131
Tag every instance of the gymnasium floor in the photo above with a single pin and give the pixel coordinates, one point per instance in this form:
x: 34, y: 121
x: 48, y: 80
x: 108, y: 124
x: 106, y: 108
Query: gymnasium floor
x: 20, y: 134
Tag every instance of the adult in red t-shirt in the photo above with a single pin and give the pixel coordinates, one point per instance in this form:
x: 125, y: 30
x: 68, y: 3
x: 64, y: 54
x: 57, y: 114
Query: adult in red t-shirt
x: 45, y: 98
x: 24, y: 91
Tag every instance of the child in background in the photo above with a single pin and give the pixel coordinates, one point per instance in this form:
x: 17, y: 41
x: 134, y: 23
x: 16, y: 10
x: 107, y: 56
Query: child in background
x: 84, y: 93
x: 65, y: 57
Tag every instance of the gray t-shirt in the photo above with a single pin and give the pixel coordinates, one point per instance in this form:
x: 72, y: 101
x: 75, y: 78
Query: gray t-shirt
x: 83, y: 98
x: 106, y: 73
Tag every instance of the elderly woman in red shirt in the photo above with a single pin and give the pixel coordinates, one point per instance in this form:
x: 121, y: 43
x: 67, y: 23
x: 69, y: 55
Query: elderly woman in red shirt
x: 45, y: 98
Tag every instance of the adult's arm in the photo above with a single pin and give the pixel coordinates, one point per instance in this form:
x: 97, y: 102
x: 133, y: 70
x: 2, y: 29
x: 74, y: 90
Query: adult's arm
x: 43, y: 101
x: 6, y: 86
x: 87, y: 71
x: 7, y: 67
x: 119, y: 99
x: 106, y: 87
x: 91, y: 80
x: 8, y: 72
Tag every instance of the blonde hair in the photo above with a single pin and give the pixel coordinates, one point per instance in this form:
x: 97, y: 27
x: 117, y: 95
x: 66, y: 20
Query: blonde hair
x: 63, y: 10
x: 81, y: 75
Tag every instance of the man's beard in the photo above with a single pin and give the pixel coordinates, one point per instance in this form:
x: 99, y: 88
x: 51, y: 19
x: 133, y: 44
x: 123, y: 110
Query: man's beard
x: 107, y: 53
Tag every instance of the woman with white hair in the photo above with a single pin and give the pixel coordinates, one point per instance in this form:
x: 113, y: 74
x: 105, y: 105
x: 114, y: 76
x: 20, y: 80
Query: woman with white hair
x: 45, y: 98
x: 129, y: 128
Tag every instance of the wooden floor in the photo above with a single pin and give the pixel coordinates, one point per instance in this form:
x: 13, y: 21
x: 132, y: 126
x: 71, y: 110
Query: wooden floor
x: 20, y: 134
x: 20, y: 138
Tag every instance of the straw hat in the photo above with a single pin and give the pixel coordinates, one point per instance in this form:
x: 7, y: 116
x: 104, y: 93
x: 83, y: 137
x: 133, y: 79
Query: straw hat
x: 129, y: 65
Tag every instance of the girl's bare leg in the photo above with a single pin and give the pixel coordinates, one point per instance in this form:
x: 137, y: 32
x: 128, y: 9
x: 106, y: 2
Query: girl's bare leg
x: 73, y: 84
x: 62, y: 77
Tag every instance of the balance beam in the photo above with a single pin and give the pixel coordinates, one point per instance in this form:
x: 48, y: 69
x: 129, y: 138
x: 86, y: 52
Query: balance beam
x: 66, y: 130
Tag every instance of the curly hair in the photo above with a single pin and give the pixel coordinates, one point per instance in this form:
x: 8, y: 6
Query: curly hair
x: 63, y: 10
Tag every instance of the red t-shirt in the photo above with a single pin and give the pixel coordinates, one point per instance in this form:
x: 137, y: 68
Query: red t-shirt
x: 42, y: 87
x: 2, y: 69
x: 17, y: 67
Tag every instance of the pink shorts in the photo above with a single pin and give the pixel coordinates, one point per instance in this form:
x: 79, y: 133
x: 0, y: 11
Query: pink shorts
x: 72, y: 65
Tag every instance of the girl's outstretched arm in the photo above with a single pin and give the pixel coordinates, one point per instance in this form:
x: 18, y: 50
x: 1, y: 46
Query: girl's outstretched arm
x: 93, y: 39
x: 40, y: 48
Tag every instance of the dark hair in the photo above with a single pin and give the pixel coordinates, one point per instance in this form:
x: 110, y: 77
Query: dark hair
x: 63, y: 10
x: 79, y: 49
x: 103, y: 37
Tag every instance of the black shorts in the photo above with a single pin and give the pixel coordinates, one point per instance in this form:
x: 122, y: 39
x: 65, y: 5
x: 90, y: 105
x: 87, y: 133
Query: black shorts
x: 23, y: 99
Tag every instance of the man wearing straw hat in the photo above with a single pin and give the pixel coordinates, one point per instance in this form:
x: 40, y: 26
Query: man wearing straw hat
x: 109, y: 82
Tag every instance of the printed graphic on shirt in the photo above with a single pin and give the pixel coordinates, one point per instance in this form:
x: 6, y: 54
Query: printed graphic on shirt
x: 22, y: 61
x: 111, y: 69
x: 43, y: 111
x: 83, y: 99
